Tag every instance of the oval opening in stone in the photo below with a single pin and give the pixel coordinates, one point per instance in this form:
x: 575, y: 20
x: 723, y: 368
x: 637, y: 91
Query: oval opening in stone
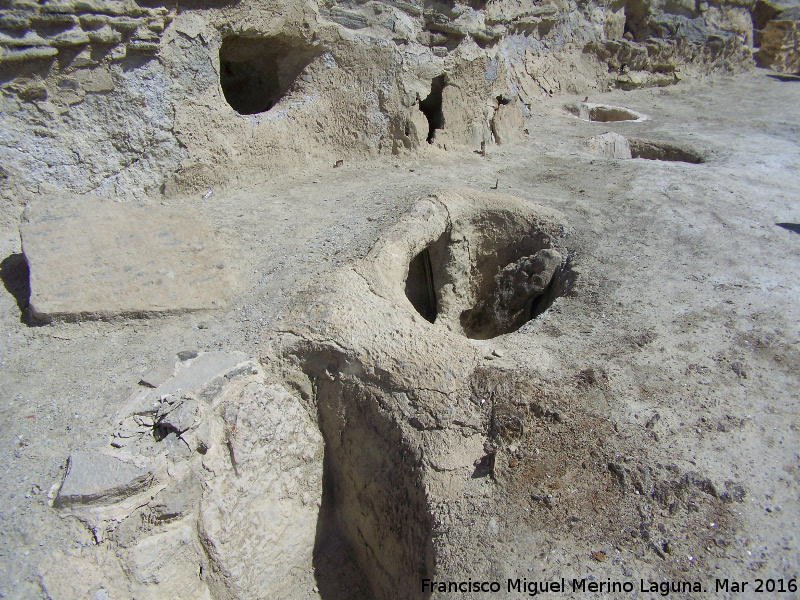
x: 603, y: 113
x: 257, y: 72
x: 420, y: 289
x: 606, y: 114
x: 650, y: 150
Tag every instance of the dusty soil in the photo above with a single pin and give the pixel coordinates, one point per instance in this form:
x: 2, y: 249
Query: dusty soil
x: 674, y: 357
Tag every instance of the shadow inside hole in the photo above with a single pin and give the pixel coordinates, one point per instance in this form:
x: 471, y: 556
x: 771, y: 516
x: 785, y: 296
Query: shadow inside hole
x: 256, y: 73
x: 790, y: 226
x: 335, y: 570
x: 609, y: 114
x: 15, y: 275
x: 497, y: 314
x: 374, y: 529
x: 431, y: 107
x: 420, y: 289
x: 664, y: 151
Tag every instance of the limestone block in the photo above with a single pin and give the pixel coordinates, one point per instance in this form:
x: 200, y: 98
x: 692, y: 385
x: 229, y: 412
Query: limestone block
x: 507, y: 123
x: 95, y: 477
x: 735, y: 19
x: 780, y: 46
x: 417, y: 128
x: 73, y: 37
x: 29, y: 39
x: 105, y: 35
x: 14, y: 21
x: 95, y: 81
x: 347, y: 18
x: 610, y: 145
x: 167, y: 565
x: 96, y: 259
x: 53, y: 19
x: 143, y: 47
x: 93, y: 572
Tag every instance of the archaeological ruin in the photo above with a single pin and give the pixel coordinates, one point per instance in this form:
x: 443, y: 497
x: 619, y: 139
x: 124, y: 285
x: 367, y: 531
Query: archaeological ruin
x: 399, y: 299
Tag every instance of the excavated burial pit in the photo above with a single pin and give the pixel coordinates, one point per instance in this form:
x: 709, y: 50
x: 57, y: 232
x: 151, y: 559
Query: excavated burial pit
x: 491, y: 286
x: 613, y: 145
x: 603, y: 113
x: 257, y: 72
x: 664, y: 151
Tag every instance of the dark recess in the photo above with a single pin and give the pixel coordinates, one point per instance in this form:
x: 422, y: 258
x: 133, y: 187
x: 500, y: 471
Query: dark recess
x: 790, y: 226
x: 255, y: 73
x: 431, y: 107
x: 15, y: 275
x: 664, y: 151
x: 419, y: 286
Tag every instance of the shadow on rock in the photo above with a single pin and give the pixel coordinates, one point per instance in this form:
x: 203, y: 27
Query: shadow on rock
x: 790, y: 226
x: 784, y: 76
x: 16, y: 279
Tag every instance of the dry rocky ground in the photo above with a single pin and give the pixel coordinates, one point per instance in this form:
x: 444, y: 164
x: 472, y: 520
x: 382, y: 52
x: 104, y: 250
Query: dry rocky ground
x: 644, y: 427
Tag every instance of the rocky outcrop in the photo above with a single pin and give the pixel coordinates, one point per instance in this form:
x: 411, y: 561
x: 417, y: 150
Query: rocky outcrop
x: 780, y: 43
x: 210, y: 487
x: 122, y: 89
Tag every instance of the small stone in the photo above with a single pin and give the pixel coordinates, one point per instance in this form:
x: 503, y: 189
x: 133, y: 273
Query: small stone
x: 159, y: 374
x: 93, y: 477
x: 181, y: 416
x: 185, y: 355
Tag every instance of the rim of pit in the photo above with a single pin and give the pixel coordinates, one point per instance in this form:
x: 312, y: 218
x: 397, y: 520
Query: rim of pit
x: 604, y: 113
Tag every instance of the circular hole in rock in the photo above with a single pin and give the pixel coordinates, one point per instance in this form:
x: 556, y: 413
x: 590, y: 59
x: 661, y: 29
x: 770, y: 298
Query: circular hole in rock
x: 521, y: 291
x: 493, y: 275
x: 256, y: 72
x: 603, y: 113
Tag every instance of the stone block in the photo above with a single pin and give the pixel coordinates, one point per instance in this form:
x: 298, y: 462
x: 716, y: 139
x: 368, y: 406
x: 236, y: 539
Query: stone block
x: 610, y: 145
x: 99, y: 259
x: 93, y: 477
x: 507, y: 123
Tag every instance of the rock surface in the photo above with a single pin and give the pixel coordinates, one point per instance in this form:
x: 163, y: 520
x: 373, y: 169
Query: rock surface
x: 202, y: 102
x: 99, y: 259
x: 94, y: 477
x: 610, y: 145
x: 236, y: 485
x: 780, y: 44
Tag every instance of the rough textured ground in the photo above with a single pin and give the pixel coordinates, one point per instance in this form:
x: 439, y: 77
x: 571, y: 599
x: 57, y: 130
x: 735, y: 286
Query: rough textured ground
x: 686, y: 307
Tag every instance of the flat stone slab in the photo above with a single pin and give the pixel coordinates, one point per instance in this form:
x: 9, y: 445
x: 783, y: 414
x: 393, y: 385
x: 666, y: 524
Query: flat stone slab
x: 92, y: 259
x: 94, y: 477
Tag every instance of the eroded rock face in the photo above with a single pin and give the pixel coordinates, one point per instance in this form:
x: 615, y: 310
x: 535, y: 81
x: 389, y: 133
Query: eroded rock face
x: 422, y: 433
x: 422, y: 436
x: 393, y: 389
x: 130, y: 85
x: 780, y: 43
